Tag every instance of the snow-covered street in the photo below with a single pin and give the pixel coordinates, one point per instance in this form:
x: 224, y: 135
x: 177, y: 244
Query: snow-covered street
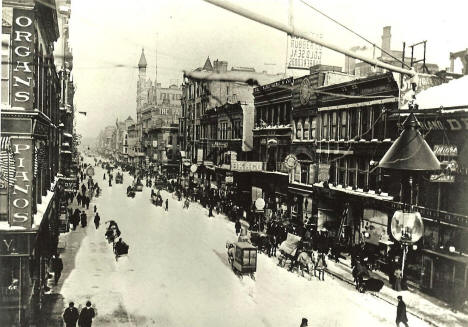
x: 177, y: 274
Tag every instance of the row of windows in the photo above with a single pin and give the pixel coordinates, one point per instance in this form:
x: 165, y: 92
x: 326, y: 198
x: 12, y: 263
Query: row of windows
x: 170, y: 96
x: 358, y: 123
x: 279, y: 114
x: 305, y: 129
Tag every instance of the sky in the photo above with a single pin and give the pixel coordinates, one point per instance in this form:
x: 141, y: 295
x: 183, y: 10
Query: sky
x: 107, y: 33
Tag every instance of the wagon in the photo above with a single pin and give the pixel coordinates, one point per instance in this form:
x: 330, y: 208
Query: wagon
x: 243, y: 258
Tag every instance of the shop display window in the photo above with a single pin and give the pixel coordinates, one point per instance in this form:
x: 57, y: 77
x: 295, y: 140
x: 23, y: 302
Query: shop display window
x: 9, y: 279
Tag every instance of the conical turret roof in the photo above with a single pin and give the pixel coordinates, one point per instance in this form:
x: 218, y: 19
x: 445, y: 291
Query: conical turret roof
x: 208, y: 65
x: 142, y: 63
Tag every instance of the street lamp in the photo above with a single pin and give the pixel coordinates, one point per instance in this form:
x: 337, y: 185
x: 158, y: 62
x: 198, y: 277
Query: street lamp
x: 409, y: 154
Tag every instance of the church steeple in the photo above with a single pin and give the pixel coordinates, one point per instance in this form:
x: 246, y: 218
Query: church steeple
x: 142, y: 63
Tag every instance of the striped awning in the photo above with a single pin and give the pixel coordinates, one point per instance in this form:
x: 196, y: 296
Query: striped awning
x: 5, y: 143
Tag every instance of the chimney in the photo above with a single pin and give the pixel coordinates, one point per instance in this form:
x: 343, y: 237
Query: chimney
x: 386, y: 38
x: 350, y: 64
x: 220, y: 66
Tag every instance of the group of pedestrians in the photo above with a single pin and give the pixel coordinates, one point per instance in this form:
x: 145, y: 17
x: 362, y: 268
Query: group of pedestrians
x: 71, y: 315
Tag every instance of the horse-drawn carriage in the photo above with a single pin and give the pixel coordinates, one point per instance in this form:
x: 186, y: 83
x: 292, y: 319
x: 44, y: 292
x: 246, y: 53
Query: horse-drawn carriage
x: 138, y: 186
x: 156, y: 199
x: 363, y: 279
x: 243, y: 258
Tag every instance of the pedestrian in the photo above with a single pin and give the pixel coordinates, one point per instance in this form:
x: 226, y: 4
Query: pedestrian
x: 95, y: 208
x: 110, y: 182
x: 70, y: 315
x: 56, y: 264
x: 75, y: 218
x: 78, y: 199
x: 84, y: 219
x: 238, y: 227
x: 83, y: 189
x: 401, y: 312
x: 104, y: 178
x: 304, y: 322
x: 210, y: 213
x: 86, y: 316
x: 88, y: 200
x: 320, y: 266
x: 167, y: 205
x: 97, y: 220
x: 398, y: 276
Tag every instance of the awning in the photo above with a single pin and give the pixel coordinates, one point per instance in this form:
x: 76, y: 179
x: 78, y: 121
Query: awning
x: 67, y: 135
x: 5, y: 143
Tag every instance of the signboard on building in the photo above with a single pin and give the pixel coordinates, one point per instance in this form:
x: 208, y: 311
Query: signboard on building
x: 229, y: 179
x: 69, y: 184
x: 374, y: 225
x: 324, y: 172
x: 220, y: 145
x: 442, y: 178
x: 445, y: 150
x: 246, y: 166
x: 21, y: 197
x: 18, y: 244
x: 267, y: 87
x: 22, y: 58
x: 303, y: 54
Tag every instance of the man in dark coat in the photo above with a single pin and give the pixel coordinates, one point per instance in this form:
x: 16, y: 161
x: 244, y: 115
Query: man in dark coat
x: 75, y: 218
x: 70, y: 315
x: 86, y: 316
x: 167, y: 205
x: 78, y: 199
x: 97, y: 220
x: 83, y: 189
x: 56, y: 265
x: 88, y: 200
x: 238, y: 227
x: 84, y: 220
x: 401, y: 312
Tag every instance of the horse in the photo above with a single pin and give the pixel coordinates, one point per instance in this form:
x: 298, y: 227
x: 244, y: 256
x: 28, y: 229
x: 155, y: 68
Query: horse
x: 306, y: 262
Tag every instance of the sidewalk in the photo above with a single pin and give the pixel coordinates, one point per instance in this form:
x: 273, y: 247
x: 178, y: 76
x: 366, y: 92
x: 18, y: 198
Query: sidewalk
x: 69, y: 244
x: 423, y: 306
x: 433, y: 311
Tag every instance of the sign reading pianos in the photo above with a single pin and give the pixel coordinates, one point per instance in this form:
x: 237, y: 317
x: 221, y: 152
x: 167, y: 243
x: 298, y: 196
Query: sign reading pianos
x: 21, y: 197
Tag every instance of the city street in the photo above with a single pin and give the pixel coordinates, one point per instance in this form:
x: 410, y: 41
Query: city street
x: 177, y: 274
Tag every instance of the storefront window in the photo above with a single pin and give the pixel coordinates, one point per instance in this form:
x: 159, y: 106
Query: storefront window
x: 313, y: 128
x: 334, y: 125
x: 344, y: 126
x: 299, y: 131
x: 9, y: 279
x: 306, y: 129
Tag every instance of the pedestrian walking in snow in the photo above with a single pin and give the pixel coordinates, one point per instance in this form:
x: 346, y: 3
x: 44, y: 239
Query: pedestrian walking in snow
x: 398, y: 276
x: 75, y: 218
x: 210, y: 212
x: 71, y: 315
x: 110, y: 181
x: 304, y: 322
x: 401, y: 312
x: 56, y: 265
x: 95, y: 208
x: 104, y: 178
x: 83, y: 189
x: 167, y: 205
x: 88, y: 200
x: 97, y: 220
x: 238, y: 227
x: 78, y: 199
x: 86, y: 316
x: 84, y: 219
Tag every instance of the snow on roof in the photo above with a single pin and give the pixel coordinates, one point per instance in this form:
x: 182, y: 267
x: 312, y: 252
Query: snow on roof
x: 451, y: 94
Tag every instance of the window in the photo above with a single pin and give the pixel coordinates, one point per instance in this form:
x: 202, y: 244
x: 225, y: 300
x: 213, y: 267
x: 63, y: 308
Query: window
x: 366, y: 132
x: 325, y: 126
x: 5, y: 69
x: 352, y: 172
x: 344, y: 125
x: 306, y: 129
x: 342, y: 172
x: 362, y: 172
x: 237, y: 129
x: 334, y: 124
x: 299, y: 130
x: 353, y: 122
x: 313, y: 128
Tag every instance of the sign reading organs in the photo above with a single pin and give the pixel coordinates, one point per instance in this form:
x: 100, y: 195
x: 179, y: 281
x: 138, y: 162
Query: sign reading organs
x: 23, y: 38
x: 21, y: 197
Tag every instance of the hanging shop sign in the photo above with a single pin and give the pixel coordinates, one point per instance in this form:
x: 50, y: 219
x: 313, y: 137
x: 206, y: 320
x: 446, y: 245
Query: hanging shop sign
x: 90, y: 171
x: 246, y: 166
x: 21, y: 197
x: 442, y: 178
x: 229, y: 179
x: 290, y: 161
x: 324, y: 172
x: 15, y: 244
x: 445, y: 150
x: 69, y: 184
x: 302, y: 53
x: 24, y: 37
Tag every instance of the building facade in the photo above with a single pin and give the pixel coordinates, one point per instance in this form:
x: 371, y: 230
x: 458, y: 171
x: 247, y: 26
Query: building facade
x: 36, y: 146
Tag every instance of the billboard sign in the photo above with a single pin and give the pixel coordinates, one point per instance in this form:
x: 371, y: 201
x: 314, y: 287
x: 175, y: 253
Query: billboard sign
x: 302, y: 53
x: 23, y: 40
x: 21, y: 197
